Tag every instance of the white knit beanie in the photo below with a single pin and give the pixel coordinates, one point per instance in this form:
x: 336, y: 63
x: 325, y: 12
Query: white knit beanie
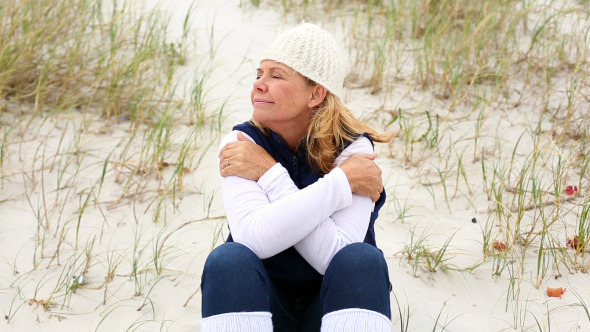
x: 312, y: 52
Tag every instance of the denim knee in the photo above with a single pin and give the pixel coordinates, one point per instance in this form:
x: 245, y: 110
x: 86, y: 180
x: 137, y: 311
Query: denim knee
x: 228, y: 256
x: 358, y: 256
x: 234, y: 280
x: 357, y: 277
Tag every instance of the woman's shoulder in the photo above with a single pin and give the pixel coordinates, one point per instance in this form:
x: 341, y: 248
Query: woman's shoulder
x: 232, y: 136
x: 361, y: 144
x: 249, y: 130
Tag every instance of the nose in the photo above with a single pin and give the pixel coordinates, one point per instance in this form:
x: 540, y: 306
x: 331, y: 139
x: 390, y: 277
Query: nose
x: 260, y: 84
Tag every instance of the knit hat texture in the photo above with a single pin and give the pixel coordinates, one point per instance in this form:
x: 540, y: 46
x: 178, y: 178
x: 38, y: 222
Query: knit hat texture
x: 313, y: 52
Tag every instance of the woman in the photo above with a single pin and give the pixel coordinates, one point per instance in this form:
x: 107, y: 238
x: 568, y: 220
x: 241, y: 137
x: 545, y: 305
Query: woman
x: 301, y: 193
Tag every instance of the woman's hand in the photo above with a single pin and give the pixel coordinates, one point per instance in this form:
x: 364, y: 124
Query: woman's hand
x: 364, y: 176
x: 245, y: 159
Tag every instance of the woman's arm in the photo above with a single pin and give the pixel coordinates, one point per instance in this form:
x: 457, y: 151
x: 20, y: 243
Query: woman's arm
x: 244, y: 158
x: 269, y: 227
x: 343, y: 227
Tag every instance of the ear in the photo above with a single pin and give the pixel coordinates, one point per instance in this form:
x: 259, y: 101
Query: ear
x: 318, y: 95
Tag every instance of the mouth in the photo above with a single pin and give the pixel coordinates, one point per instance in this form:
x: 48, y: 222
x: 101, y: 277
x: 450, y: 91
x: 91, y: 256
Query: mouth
x: 258, y: 101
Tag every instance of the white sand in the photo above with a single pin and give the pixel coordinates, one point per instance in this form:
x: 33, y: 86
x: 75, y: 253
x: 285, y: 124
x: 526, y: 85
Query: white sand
x: 466, y: 301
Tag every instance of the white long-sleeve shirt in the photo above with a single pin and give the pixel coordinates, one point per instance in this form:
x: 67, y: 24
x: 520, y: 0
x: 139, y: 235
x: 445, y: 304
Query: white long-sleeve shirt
x: 272, y: 214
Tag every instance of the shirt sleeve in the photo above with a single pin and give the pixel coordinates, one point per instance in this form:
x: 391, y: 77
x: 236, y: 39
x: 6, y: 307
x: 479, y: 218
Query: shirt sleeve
x: 342, y: 227
x: 268, y: 226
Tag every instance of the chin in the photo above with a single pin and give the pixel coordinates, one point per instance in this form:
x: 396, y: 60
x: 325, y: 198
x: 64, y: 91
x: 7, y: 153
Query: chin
x: 256, y: 116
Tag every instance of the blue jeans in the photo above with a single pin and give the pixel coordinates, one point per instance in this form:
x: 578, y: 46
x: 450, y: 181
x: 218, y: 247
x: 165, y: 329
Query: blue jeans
x: 236, y: 280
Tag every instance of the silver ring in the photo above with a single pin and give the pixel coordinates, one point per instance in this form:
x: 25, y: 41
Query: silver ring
x: 227, y: 161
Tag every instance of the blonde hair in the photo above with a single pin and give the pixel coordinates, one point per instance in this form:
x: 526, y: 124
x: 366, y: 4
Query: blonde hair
x: 331, y: 127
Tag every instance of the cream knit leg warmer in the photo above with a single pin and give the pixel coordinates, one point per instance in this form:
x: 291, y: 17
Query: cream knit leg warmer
x: 238, y: 322
x: 355, y: 320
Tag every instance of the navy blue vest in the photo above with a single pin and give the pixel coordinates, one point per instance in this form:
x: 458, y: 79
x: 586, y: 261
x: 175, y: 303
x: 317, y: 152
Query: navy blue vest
x: 289, y: 265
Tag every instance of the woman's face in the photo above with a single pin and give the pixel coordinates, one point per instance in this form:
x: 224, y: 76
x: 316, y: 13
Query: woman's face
x: 281, y: 98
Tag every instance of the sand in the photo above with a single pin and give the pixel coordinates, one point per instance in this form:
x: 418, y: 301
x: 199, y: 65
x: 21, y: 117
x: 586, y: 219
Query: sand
x: 40, y: 266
